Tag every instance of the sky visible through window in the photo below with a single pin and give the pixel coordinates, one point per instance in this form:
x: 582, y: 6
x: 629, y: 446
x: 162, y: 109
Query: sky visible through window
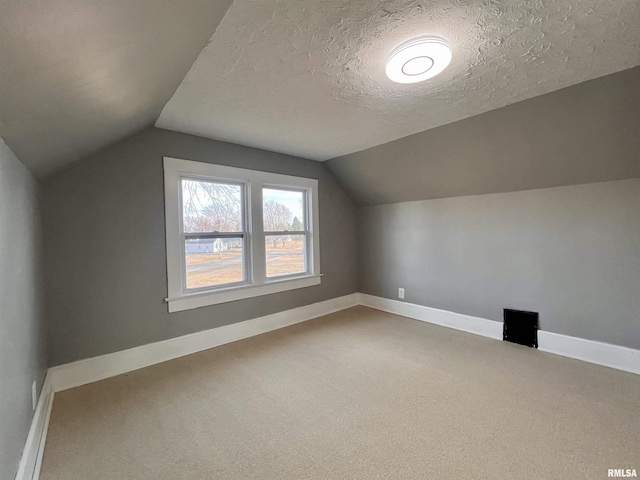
x: 290, y: 199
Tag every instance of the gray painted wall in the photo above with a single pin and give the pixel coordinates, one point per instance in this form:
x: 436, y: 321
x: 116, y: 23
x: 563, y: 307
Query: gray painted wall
x: 585, y: 133
x: 571, y: 253
x: 22, y: 336
x: 108, y: 295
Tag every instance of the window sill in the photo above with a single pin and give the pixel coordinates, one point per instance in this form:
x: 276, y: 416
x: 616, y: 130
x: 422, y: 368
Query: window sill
x: 203, y: 299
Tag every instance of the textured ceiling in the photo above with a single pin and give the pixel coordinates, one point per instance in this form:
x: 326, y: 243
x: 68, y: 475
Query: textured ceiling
x: 306, y: 77
x: 77, y: 75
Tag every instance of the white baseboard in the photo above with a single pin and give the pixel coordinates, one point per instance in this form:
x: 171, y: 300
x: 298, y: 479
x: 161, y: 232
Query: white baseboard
x: 29, y: 466
x: 479, y: 326
x: 98, y: 368
x: 613, y: 356
x: 606, y: 354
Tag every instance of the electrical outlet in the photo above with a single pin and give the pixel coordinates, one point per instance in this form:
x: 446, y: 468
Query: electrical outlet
x: 34, y: 395
x: 401, y: 293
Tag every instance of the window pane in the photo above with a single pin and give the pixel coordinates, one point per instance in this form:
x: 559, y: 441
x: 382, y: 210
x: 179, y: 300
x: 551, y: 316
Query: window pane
x: 283, y: 210
x: 213, y: 261
x: 285, y: 254
x: 211, y: 206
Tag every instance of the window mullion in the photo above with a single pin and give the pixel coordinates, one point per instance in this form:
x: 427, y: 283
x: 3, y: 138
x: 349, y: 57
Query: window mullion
x: 258, y: 254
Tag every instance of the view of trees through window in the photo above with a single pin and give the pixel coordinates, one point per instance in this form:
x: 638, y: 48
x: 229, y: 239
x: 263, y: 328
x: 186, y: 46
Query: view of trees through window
x: 218, y: 208
x: 209, y: 207
x: 283, y: 211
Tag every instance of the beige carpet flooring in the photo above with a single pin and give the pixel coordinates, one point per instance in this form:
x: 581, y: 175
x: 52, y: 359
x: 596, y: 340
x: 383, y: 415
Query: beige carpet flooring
x: 359, y: 394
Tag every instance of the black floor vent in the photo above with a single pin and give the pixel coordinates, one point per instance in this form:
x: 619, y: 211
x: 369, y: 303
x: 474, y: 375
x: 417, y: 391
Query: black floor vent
x: 520, y: 327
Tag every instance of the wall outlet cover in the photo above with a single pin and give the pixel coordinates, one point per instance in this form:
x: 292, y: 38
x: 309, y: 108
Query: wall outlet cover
x: 401, y: 293
x: 34, y: 395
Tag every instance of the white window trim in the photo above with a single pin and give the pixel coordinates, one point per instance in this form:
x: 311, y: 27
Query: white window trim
x: 259, y: 284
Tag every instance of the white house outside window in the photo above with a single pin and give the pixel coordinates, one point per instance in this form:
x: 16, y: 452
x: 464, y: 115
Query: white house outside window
x: 234, y: 233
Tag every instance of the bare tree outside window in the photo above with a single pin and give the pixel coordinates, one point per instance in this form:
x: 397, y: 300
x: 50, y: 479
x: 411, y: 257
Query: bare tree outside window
x: 284, y: 227
x: 277, y: 218
x: 211, y: 212
x: 211, y: 207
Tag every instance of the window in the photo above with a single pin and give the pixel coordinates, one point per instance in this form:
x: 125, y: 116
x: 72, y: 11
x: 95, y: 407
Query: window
x: 283, y: 212
x: 214, y: 233
x: 234, y: 233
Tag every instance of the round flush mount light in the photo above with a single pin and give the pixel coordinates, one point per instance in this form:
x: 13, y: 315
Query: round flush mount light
x: 418, y: 59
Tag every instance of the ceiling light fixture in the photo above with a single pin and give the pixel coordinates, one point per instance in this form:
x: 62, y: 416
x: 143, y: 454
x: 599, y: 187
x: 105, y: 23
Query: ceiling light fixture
x: 418, y: 59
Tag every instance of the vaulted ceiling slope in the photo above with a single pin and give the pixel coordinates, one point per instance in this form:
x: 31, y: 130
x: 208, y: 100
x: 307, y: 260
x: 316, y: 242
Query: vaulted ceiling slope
x: 307, y: 77
x: 585, y: 133
x: 77, y: 75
